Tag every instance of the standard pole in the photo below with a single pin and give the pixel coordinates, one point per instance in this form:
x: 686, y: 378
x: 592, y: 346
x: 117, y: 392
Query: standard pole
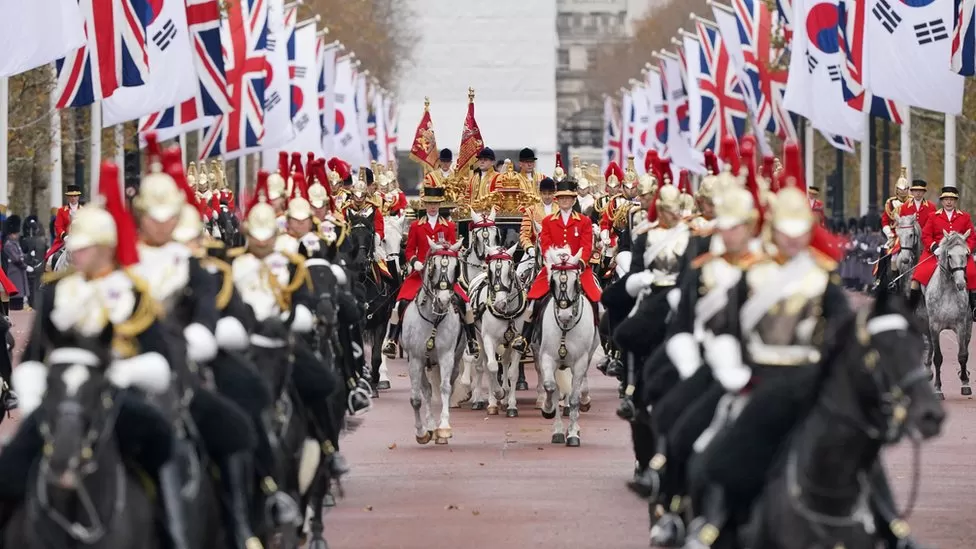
x: 4, y: 130
x: 886, y: 158
x: 872, y: 165
x: 865, y: 171
x: 120, y: 154
x: 96, y: 148
x: 57, y: 179
x: 906, y: 143
x: 950, y: 150
x: 808, y: 152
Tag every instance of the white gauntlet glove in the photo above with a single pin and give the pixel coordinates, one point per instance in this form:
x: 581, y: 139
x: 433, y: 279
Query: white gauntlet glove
x: 201, y: 344
x: 530, y: 251
x: 886, y: 230
x: 605, y: 237
x: 638, y: 281
x: 418, y: 266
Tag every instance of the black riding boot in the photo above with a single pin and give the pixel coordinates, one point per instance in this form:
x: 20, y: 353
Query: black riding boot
x: 234, y: 477
x: 972, y: 303
x: 706, y: 527
x: 171, y: 499
x: 893, y: 531
x: 915, y: 297
x: 393, y: 335
x: 522, y: 341
x: 471, y: 332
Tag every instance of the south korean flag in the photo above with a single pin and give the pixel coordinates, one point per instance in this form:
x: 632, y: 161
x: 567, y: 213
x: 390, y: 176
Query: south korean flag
x: 908, y: 39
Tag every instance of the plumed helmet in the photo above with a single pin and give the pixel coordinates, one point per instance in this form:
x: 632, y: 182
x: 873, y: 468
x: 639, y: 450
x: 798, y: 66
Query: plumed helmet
x: 902, y: 184
x: 630, y: 174
x: 299, y: 209
x: 91, y: 226
x: 613, y: 175
x: 260, y: 222
x: 668, y: 199
x: 648, y: 184
x: 734, y: 206
x: 318, y: 196
x: 190, y: 226
x: 791, y: 213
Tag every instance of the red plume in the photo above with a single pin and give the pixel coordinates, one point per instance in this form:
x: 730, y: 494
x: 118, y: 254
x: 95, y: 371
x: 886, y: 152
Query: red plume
x: 652, y: 209
x: 559, y: 161
x: 296, y: 163
x: 299, y: 189
x: 767, y: 168
x: 126, y: 252
x: 792, y: 165
x: 260, y: 192
x: 154, y: 152
x: 664, y: 170
x: 831, y: 245
x: 323, y: 178
x: 751, y: 139
x: 684, y: 182
x: 308, y: 165
x: 650, y: 161
x: 340, y: 167
x: 614, y: 169
x: 748, y: 155
x: 215, y: 202
x: 283, y: 164
x: 711, y: 163
x: 728, y: 152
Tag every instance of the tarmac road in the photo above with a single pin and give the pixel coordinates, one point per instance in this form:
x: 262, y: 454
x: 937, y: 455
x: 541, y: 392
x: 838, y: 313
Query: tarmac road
x: 501, y: 483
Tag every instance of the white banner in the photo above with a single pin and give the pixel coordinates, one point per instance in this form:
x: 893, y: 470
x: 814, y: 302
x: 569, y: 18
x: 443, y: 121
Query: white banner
x: 348, y: 139
x: 362, y: 115
x: 628, y: 121
x: 327, y: 102
x: 642, y: 121
x: 37, y: 32
x: 692, y: 67
x: 304, y: 101
x: 172, y: 78
x: 682, y: 154
x: 278, y: 129
x: 657, y: 132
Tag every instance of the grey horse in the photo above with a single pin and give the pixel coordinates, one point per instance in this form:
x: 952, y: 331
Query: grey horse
x: 947, y: 305
x: 909, y: 234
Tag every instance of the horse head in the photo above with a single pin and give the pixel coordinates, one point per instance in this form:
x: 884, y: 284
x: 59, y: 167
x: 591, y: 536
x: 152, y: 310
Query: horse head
x: 229, y: 226
x: 484, y: 234
x: 909, y: 240
x: 886, y: 389
x: 565, y: 285
x: 440, y: 272
x: 502, y: 279
x: 361, y: 241
x: 953, y: 254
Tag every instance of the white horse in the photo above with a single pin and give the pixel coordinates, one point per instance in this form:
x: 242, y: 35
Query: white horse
x: 947, y: 305
x: 502, y: 294
x: 433, y: 341
x: 569, y: 338
x: 483, y: 237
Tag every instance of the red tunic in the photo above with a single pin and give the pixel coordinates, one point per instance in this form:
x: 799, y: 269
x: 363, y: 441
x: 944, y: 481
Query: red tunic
x: 922, y: 212
x: 938, y: 223
x: 417, y: 249
x: 578, y: 235
x: 818, y: 210
x: 377, y: 217
x: 62, y: 222
x: 399, y: 204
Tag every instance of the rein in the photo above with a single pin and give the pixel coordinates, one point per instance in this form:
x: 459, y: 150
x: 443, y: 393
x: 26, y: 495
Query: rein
x: 515, y: 289
x: 442, y: 283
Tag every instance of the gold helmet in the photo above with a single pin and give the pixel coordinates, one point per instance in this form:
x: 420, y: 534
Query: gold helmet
x: 734, y: 206
x: 578, y: 174
x: 191, y: 175
x: 318, y: 196
x: 261, y: 222
x: 648, y: 184
x: 903, y: 184
x: 630, y: 174
x: 669, y: 199
x: 190, y: 225
x: 359, y: 188
x: 613, y: 175
x: 687, y: 202
x: 299, y: 209
x: 159, y: 196
x: 92, y: 225
x: 276, y: 186
x: 791, y: 213
x: 559, y: 172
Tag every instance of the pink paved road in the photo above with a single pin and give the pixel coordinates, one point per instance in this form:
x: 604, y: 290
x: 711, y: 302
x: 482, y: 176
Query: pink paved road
x: 500, y: 483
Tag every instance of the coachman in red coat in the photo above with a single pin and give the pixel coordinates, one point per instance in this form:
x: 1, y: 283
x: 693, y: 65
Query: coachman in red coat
x: 62, y: 219
x: 917, y: 204
x: 425, y: 230
x: 565, y: 228
x: 946, y: 219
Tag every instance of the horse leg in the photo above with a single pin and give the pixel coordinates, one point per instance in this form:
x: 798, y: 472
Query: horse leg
x: 495, y: 391
x: 585, y: 393
x: 419, y: 394
x: 937, y: 360
x: 573, y: 401
x: 445, y: 368
x: 540, y: 398
x: 376, y: 360
x: 384, y: 383
x: 963, y: 336
x: 478, y: 400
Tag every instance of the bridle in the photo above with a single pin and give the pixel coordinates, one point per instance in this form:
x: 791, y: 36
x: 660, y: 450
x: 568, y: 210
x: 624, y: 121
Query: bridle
x: 480, y: 232
x: 562, y: 300
x: 513, y: 289
x: 949, y: 269
x: 895, y: 403
x: 437, y: 261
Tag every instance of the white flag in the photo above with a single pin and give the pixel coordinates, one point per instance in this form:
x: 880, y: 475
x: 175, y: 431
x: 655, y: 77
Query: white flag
x: 813, y: 89
x: 278, y: 129
x: 911, y: 52
x: 657, y: 127
x: 36, y: 32
x: 172, y: 78
x: 348, y: 139
x: 642, y: 120
x: 682, y: 154
x: 304, y: 101
x: 690, y: 62
x: 361, y: 102
x: 327, y: 101
x: 391, y: 127
x: 612, y: 134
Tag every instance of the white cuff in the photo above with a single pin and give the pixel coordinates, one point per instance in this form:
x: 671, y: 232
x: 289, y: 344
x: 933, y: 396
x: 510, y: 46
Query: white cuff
x: 674, y: 299
x: 148, y: 371
x: 684, y: 353
x: 886, y: 230
x: 637, y: 282
x: 231, y: 335
x: 29, y: 380
x: 605, y: 235
x: 724, y: 354
x: 418, y: 266
x: 303, y: 320
x: 201, y: 345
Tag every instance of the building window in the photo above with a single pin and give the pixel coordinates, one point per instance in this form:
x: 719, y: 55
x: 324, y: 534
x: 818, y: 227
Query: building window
x: 562, y: 59
x: 577, y: 20
x: 590, y: 58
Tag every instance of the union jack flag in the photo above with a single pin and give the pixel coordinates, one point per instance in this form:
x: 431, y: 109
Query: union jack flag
x: 203, y: 19
x: 723, y: 105
x: 612, y: 143
x: 371, y: 138
x: 766, y: 84
x: 114, y: 56
x: 850, y: 21
x: 964, y: 38
x: 246, y: 27
x: 320, y: 86
x: 392, y: 129
x: 785, y: 9
x: 845, y: 144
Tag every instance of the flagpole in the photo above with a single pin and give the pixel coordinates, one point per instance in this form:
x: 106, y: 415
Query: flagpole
x: 57, y: 179
x: 120, y: 154
x: 95, y: 137
x: 906, y: 143
x: 865, y: 169
x: 950, y: 150
x: 4, y: 127
x: 703, y: 21
x: 808, y: 137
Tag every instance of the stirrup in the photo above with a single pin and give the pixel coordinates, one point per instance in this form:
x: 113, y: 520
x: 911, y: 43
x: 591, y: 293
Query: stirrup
x: 390, y: 348
x: 473, y: 348
x: 519, y: 344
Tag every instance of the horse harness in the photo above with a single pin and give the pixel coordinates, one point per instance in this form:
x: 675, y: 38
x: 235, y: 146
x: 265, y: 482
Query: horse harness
x: 562, y: 302
x: 515, y: 289
x: 442, y: 283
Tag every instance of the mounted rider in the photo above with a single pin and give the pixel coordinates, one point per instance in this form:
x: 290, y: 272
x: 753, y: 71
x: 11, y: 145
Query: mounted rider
x: 439, y: 230
x: 340, y: 176
x: 362, y: 205
x: 301, y: 238
x: 945, y: 220
x: 564, y: 228
x: 62, y: 220
x: 98, y: 299
x: 585, y: 197
x: 917, y: 205
x: 615, y: 215
x: 534, y: 215
x: 816, y: 205
x: 889, y: 222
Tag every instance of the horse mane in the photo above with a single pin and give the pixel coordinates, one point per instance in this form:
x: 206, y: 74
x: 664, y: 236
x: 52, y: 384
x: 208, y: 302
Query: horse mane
x: 952, y: 239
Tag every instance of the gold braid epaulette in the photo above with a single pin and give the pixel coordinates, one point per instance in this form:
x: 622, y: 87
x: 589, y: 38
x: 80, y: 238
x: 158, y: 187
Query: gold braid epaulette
x: 52, y: 277
x: 236, y: 252
x: 227, y: 282
x: 145, y: 313
x: 301, y: 273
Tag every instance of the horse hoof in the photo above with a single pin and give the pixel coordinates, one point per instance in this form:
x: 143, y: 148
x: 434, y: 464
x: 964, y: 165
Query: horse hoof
x: 318, y: 543
x: 940, y: 395
x: 511, y: 412
x: 426, y: 438
x: 493, y: 410
x: 558, y: 438
x: 383, y: 385
x: 573, y: 442
x: 444, y: 433
x: 440, y: 441
x: 478, y: 405
x: 374, y: 393
x: 521, y: 385
x: 585, y: 407
x: 549, y: 415
x: 967, y: 391
x: 329, y: 500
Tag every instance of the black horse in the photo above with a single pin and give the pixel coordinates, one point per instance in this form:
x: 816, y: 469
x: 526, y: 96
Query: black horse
x: 228, y: 227
x: 80, y: 492
x: 376, y: 290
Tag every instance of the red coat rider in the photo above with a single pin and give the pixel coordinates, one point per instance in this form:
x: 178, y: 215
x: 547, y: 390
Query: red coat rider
x: 62, y: 220
x: 437, y: 229
x: 946, y: 220
x: 917, y: 204
x: 565, y: 228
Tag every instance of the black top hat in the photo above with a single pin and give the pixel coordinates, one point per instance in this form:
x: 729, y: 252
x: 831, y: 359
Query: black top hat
x: 949, y: 192
x: 486, y: 154
x: 72, y: 190
x: 433, y: 194
x: 547, y: 184
x: 919, y: 185
x: 566, y: 187
x: 814, y: 189
x: 12, y: 225
x: 446, y: 155
x: 527, y: 155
